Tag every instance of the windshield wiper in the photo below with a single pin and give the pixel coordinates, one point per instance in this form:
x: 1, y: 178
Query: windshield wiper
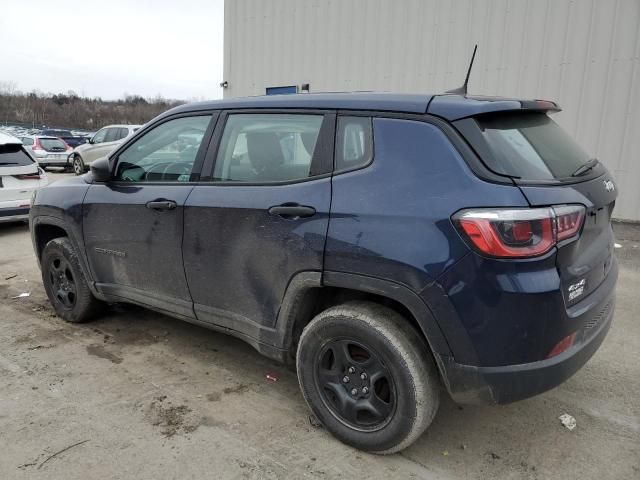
x: 584, y: 168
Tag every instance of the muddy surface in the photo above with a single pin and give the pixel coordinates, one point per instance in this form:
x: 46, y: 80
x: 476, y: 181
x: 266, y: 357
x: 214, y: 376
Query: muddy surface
x: 154, y: 398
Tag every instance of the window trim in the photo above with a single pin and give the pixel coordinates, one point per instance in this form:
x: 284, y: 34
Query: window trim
x: 322, y: 161
x: 114, y: 157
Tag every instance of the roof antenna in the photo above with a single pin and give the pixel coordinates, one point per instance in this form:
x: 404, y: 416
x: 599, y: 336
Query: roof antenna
x: 463, y: 89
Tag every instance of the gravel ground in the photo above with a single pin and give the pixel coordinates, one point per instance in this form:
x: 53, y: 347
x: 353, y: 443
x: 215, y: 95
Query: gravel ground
x: 135, y: 394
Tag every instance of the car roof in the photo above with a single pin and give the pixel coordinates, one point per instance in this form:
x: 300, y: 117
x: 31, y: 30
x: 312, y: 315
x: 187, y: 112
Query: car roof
x: 448, y: 106
x: 6, y: 139
x: 120, y: 125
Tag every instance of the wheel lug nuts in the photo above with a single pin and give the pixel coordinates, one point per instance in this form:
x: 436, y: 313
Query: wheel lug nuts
x: 365, y: 390
x: 354, y: 391
x: 345, y: 379
x: 352, y: 369
x: 363, y: 376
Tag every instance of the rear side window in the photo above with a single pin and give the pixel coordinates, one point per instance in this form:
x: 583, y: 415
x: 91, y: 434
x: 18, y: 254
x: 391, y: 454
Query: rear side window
x: 265, y: 148
x: 529, y: 146
x: 14, y: 156
x: 122, y: 133
x: 27, y: 141
x: 354, y: 143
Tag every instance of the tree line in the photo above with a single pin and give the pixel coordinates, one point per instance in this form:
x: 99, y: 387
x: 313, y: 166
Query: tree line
x: 71, y: 111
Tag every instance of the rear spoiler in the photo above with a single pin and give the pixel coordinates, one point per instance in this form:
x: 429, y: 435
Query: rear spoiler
x: 456, y: 107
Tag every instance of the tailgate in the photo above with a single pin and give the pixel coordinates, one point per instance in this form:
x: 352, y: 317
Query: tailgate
x: 583, y: 264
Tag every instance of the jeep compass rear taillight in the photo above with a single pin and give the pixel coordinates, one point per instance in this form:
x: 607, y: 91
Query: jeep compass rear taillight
x: 518, y: 233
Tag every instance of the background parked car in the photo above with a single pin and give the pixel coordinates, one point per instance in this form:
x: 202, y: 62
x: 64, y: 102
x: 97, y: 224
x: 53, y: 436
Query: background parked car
x: 48, y: 151
x: 19, y: 177
x: 69, y: 138
x: 102, y: 143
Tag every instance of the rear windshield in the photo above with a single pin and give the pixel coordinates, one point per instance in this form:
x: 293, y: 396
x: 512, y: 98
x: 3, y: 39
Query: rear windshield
x: 52, y: 143
x: 14, y: 155
x: 529, y: 146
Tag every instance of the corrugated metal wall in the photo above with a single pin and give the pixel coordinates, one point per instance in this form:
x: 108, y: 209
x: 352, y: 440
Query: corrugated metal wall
x: 582, y: 53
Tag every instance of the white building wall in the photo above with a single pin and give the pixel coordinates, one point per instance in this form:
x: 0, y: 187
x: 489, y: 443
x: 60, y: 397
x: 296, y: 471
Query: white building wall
x: 582, y: 53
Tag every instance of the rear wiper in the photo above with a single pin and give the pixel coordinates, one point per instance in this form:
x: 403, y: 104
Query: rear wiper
x: 584, y: 168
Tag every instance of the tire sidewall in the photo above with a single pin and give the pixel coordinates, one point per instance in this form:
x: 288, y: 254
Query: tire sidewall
x: 383, y: 344
x: 61, y: 247
x: 78, y: 165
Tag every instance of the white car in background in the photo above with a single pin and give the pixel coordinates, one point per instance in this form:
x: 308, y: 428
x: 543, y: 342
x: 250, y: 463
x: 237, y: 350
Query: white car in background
x: 100, y: 145
x: 20, y: 176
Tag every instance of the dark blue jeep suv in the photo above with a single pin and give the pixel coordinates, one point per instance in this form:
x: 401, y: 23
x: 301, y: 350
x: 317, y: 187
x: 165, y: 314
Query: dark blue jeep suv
x: 386, y: 245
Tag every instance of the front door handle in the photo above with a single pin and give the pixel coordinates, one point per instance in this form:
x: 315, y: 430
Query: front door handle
x: 292, y: 211
x: 162, y: 205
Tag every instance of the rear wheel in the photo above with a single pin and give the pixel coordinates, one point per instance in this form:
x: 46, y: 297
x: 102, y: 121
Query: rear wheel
x: 368, y: 376
x: 65, y: 283
x: 78, y: 165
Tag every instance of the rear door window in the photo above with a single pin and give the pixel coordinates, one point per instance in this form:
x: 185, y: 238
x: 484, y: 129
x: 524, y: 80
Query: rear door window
x: 265, y: 148
x: 528, y: 146
x: 13, y: 155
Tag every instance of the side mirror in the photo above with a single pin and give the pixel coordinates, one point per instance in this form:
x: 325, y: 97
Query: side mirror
x: 101, y: 170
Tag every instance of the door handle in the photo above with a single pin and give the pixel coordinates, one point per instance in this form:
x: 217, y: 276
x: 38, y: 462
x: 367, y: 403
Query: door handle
x: 162, y: 205
x: 292, y: 211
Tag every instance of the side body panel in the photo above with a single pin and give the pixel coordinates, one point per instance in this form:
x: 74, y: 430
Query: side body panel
x: 391, y: 220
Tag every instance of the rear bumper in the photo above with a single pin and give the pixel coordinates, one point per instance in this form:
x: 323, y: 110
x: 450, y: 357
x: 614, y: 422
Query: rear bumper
x: 469, y: 384
x: 53, y: 162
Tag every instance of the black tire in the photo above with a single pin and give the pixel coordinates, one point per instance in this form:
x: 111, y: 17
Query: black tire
x: 65, y: 283
x: 387, y: 414
x: 78, y: 165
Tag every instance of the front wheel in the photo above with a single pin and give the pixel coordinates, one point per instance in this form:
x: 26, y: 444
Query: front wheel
x: 368, y: 376
x: 65, y: 283
x: 78, y: 165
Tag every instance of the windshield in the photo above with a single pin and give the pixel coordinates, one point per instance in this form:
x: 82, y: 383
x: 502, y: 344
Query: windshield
x: 530, y: 146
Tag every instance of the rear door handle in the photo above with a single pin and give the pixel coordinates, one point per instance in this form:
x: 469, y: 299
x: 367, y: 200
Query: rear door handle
x: 292, y: 211
x: 162, y: 205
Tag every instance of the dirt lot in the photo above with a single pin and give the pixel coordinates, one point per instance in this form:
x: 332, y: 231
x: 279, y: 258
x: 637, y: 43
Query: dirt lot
x: 138, y: 395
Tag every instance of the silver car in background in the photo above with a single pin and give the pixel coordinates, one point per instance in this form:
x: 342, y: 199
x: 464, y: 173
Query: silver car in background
x: 46, y: 150
x: 100, y: 145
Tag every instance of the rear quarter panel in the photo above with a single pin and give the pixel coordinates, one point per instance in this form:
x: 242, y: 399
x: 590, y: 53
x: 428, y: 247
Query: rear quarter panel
x: 391, y: 220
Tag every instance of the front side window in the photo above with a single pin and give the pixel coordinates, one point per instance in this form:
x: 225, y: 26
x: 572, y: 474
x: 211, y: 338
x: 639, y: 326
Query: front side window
x: 354, y: 144
x: 266, y: 148
x: 164, y: 154
x: 112, y: 135
x: 99, y: 137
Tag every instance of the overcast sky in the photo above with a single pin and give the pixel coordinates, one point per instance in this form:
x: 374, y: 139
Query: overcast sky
x: 109, y: 47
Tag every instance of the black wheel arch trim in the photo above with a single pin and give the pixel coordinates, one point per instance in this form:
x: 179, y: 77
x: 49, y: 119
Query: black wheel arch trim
x: 401, y: 294
x: 57, y: 222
